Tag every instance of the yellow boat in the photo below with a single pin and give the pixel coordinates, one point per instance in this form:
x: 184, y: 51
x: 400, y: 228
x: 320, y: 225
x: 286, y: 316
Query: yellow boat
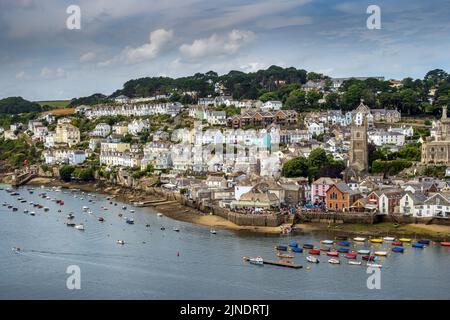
x: 285, y: 256
x: 405, y: 239
x: 376, y: 240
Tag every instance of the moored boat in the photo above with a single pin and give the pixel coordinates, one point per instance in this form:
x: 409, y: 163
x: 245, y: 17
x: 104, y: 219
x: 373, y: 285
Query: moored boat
x: 445, y: 244
x: 418, y: 245
x: 120, y: 242
x: 388, y: 238
x: 308, y: 246
x: 397, y: 243
x: 344, y: 243
x: 355, y: 263
x: 363, y: 251
x: 327, y: 242
x: 398, y: 249
x: 293, y: 244
x: 333, y: 254
x: 374, y: 265
x: 212, y: 231
x: 297, y: 249
x: 325, y: 249
x: 314, y: 251
x: 281, y: 247
x: 350, y: 255
x: 101, y: 219
x: 343, y: 250
x: 334, y: 261
x: 376, y: 240
x: 257, y: 260
x: 312, y: 259
x: 424, y: 241
x: 369, y: 258
x: 359, y: 239
x: 130, y: 221
x: 80, y: 227
x: 380, y: 253
x: 285, y: 256
x: 405, y: 239
x: 341, y: 237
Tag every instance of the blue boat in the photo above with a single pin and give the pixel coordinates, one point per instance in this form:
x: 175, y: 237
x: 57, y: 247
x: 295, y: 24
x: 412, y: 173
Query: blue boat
x: 308, y: 246
x: 130, y: 221
x: 344, y: 243
x: 424, y: 241
x: 343, y: 250
x: 398, y: 249
x: 418, y: 245
x: 296, y: 249
x: 281, y: 247
x: 293, y: 244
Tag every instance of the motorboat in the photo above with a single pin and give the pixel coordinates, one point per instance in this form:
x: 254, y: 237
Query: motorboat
x: 374, y: 265
x: 70, y: 224
x: 101, y: 219
x: 163, y: 228
x: 424, y: 241
x: 79, y: 227
x: 355, y: 263
x: 334, y: 261
x: 25, y: 211
x: 124, y: 207
x: 312, y: 259
x: 46, y: 209
x: 132, y: 211
x: 130, y: 221
x: 85, y: 208
x: 212, y: 231
x: 159, y: 214
x: 256, y: 260
x: 120, y: 242
x: 70, y: 216
x: 176, y: 229
x: 445, y: 244
x: 32, y: 213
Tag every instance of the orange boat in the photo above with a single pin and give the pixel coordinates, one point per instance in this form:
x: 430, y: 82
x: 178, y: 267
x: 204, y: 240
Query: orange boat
x: 445, y: 244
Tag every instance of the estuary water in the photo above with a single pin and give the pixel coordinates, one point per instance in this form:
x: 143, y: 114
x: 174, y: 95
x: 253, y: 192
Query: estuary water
x: 189, y: 264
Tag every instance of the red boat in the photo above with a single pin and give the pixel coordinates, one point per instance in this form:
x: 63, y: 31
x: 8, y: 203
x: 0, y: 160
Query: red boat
x: 397, y: 243
x: 314, y: 251
x: 350, y: 255
x: 445, y: 244
x: 333, y: 254
x: 370, y: 258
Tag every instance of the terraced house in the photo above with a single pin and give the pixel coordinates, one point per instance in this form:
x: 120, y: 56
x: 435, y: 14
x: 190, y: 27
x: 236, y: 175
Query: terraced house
x: 262, y: 118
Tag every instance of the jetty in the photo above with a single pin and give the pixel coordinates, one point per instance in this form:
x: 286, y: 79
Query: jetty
x: 148, y: 203
x: 280, y: 263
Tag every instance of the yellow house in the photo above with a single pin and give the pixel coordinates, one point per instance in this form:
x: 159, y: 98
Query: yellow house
x: 67, y: 133
x: 115, y: 147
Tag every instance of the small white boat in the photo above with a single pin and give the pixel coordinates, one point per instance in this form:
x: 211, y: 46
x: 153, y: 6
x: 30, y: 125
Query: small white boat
x: 359, y: 239
x: 132, y: 211
x: 176, y: 229
x: 388, y: 238
x: 334, y: 261
x: 257, y: 260
x: 212, y: 231
x: 32, y: 213
x: 312, y: 259
x: 381, y: 253
x: 80, y: 227
x: 25, y: 211
x: 363, y: 251
x: 85, y: 208
x: 120, y: 242
x: 374, y: 265
x: 353, y: 262
x: 327, y: 241
x: 159, y: 214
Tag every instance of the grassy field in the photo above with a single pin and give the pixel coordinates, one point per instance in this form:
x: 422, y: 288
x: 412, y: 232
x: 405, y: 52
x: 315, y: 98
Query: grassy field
x: 55, y: 103
x: 62, y: 111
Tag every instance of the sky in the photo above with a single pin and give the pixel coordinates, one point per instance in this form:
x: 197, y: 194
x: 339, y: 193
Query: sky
x: 42, y: 59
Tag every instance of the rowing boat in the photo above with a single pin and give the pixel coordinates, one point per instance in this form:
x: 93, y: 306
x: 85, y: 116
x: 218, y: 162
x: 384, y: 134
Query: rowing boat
x: 285, y: 256
x: 350, y: 255
x: 418, y: 245
x: 298, y: 250
x: 405, y: 239
x: 344, y: 243
x: 398, y: 249
x: 363, y: 251
x: 325, y: 248
x: 308, y: 246
x: 334, y: 261
x: 397, y: 243
x: 356, y: 263
x: 445, y: 244
x: 424, y: 241
x: 359, y: 239
x: 281, y: 247
x: 388, y: 238
x: 343, y: 250
x: 333, y: 254
x: 380, y: 253
x: 376, y: 240
x: 314, y: 251
x: 327, y: 242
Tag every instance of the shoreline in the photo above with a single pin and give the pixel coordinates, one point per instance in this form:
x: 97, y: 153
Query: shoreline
x: 180, y: 212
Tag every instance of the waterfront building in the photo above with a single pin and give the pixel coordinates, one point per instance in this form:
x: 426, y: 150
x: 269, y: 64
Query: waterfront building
x: 340, y: 197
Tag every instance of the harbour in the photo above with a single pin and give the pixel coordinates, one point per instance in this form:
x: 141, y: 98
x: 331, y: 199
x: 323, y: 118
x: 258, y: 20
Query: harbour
x: 119, y: 260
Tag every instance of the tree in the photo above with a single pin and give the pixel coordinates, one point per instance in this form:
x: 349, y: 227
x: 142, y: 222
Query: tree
x: 297, y: 167
x: 65, y: 173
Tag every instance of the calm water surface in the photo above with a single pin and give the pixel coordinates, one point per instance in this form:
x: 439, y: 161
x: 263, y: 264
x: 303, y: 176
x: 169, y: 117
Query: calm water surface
x: 207, y: 267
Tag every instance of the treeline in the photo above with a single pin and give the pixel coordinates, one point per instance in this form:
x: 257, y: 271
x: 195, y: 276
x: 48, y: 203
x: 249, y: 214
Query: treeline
x: 239, y: 84
x: 96, y: 98
x: 16, y: 105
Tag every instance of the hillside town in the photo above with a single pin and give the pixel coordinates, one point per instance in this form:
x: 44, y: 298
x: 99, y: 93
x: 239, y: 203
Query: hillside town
x: 240, y: 162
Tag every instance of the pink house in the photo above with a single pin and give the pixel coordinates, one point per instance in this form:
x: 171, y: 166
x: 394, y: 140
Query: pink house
x: 320, y: 187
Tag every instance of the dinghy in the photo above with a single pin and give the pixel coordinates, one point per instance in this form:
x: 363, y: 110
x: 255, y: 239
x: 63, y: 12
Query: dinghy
x: 398, y: 249
x: 362, y: 251
x: 359, y: 239
x: 296, y: 249
x: 334, y: 261
x: 293, y: 244
x: 314, y: 251
x: 424, y: 241
x: 281, y: 247
x: 374, y: 265
x: 333, y: 254
x: 353, y: 262
x: 418, y: 245
x: 405, y: 239
x: 380, y: 253
x: 327, y: 242
x: 312, y: 259
x: 388, y: 238
x: 350, y: 255
x: 376, y: 240
x: 308, y: 246
x: 445, y: 244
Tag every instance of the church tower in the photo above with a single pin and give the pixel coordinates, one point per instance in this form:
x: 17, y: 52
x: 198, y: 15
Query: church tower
x: 358, y: 163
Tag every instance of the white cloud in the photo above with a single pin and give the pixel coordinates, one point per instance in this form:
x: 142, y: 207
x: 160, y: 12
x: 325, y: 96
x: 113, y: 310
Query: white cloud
x: 158, y: 41
x: 49, y: 73
x: 88, y: 57
x: 22, y: 75
x: 217, y: 45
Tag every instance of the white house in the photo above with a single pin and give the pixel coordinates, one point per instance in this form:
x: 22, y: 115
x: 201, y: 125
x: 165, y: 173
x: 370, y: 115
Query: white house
x: 59, y: 156
x: 410, y: 201
x: 137, y: 126
x: 315, y: 128
x: 407, y: 131
x: 382, y: 138
x: 272, y: 105
x: 216, y: 117
x: 40, y: 132
x: 436, y: 205
x: 120, y: 159
x: 101, y: 130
